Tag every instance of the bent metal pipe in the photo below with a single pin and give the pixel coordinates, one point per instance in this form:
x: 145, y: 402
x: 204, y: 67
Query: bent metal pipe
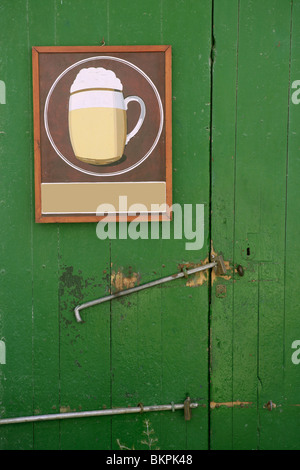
x: 184, y: 273
x: 86, y: 414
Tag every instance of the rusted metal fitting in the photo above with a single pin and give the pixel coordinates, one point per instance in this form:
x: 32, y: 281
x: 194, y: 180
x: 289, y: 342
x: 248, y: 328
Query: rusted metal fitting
x: 220, y: 268
x: 240, y: 270
x: 270, y: 405
x: 184, y: 270
x: 187, y: 409
x: 141, y: 407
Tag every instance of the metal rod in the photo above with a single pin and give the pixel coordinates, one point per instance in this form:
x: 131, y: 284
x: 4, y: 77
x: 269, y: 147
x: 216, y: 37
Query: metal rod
x: 139, y: 288
x: 87, y: 414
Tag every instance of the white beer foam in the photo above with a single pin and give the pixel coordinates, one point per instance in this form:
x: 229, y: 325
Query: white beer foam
x: 96, y: 99
x: 96, y: 77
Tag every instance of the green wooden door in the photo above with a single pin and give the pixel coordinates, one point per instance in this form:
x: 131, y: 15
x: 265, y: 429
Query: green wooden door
x: 149, y: 348
x: 227, y: 342
x: 255, y: 167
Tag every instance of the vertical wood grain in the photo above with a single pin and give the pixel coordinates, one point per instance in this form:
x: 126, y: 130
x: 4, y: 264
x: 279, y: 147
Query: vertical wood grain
x: 223, y: 162
x: 44, y: 247
x: 16, y: 230
x: 83, y: 267
x: 252, y: 338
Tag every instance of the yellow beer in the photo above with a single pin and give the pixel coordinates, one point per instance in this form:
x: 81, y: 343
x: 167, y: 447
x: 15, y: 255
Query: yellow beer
x: 98, y: 135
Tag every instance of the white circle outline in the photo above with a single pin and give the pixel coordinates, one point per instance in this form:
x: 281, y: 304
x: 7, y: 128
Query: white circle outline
x: 115, y: 173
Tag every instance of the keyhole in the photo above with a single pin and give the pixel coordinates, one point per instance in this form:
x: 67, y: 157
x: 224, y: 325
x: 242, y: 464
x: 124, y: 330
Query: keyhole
x: 248, y: 251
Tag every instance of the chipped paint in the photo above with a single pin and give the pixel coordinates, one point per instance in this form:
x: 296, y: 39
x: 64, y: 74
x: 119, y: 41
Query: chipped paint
x: 229, y: 404
x: 119, y: 281
x: 66, y: 409
x: 196, y: 279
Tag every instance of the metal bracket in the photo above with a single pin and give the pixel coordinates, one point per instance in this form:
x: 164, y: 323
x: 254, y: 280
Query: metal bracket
x: 187, y: 409
x: 220, y: 269
x: 218, y: 265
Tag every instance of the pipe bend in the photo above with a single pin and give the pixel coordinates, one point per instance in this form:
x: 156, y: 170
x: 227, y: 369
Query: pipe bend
x: 77, y: 314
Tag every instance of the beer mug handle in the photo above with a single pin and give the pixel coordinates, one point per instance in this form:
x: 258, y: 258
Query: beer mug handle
x: 141, y: 118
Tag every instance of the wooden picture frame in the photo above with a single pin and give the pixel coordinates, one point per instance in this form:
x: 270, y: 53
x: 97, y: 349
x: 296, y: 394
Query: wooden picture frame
x: 102, y: 133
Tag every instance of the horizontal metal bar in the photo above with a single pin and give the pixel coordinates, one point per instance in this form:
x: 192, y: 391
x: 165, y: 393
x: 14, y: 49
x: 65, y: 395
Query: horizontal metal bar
x: 88, y: 414
x: 143, y: 286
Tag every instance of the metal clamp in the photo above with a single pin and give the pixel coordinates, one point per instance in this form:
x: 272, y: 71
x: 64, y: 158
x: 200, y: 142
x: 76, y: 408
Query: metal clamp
x: 187, y: 409
x: 218, y: 265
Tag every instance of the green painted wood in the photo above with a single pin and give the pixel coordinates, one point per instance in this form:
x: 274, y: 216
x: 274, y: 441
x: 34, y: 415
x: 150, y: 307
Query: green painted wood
x: 162, y: 344
x: 16, y: 205
x: 248, y: 344
x: 291, y: 299
x: 181, y: 328
x: 272, y: 240
x: 223, y: 158
x: 261, y: 138
x: 84, y: 348
x: 74, y: 366
x: 158, y: 363
x: 84, y: 263
x: 45, y: 343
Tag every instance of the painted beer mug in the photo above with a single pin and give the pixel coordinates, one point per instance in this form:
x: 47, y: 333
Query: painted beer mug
x: 98, y: 116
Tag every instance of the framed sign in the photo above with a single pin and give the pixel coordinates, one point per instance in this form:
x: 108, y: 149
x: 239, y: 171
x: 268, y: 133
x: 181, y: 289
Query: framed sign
x: 102, y: 133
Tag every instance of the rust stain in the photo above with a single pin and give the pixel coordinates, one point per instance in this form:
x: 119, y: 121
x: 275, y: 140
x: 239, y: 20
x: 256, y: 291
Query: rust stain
x: 270, y: 405
x: 66, y: 409
x: 119, y: 281
x: 196, y: 279
x: 229, y: 404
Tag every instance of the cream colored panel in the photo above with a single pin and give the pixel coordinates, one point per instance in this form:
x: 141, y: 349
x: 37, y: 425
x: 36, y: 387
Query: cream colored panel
x: 85, y: 198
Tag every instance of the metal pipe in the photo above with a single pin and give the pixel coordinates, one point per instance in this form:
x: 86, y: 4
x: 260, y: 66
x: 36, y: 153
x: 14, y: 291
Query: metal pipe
x: 143, y: 286
x: 87, y: 414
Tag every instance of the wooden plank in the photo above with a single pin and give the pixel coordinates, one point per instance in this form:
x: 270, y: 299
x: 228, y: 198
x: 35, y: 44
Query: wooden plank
x: 83, y: 275
x: 184, y: 318
x: 251, y: 132
x: 150, y: 334
x: 259, y: 143
x: 250, y: 342
x: 135, y: 326
x: 16, y: 207
x: 96, y: 50
x: 262, y: 141
x: 44, y: 243
x: 84, y: 347
x: 223, y: 158
x: 290, y: 403
x: 162, y: 374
